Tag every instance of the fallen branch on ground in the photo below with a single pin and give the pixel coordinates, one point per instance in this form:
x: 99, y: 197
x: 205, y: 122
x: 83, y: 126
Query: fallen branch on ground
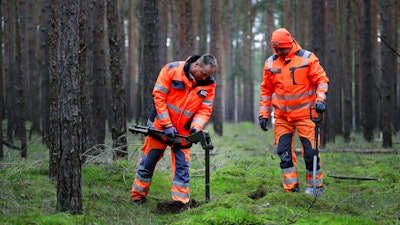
x: 353, y: 178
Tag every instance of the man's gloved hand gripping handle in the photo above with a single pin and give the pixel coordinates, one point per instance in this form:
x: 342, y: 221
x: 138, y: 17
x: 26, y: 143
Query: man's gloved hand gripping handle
x: 263, y: 123
x: 170, y: 132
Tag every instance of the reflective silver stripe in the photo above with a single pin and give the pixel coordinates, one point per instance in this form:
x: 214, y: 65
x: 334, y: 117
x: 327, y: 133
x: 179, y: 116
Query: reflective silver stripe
x: 295, y: 96
x: 180, y: 195
x: 306, y: 105
x: 264, y: 108
x: 269, y: 62
x: 306, y: 55
x: 199, y: 121
x: 321, y: 95
x: 162, y: 116
x: 187, y: 113
x: 147, y: 180
x: 149, y: 123
x: 265, y: 98
x: 291, y: 180
x: 137, y: 188
x: 295, y: 107
x: 311, y: 173
x: 180, y: 184
x: 323, y: 86
x: 174, y: 108
x: 319, y: 182
x: 289, y: 170
x: 161, y: 88
x: 207, y: 102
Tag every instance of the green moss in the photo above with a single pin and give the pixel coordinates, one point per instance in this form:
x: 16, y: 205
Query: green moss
x: 243, y: 163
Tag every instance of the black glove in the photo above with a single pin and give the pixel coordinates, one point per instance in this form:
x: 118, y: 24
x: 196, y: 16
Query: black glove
x: 320, y: 106
x: 263, y: 123
x: 194, y: 130
x: 170, y: 132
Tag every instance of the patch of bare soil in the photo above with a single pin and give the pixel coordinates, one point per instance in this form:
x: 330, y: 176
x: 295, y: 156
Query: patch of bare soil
x: 175, y: 207
x: 257, y: 194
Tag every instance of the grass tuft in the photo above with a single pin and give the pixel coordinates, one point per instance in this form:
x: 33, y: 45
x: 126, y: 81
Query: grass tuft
x: 246, y: 185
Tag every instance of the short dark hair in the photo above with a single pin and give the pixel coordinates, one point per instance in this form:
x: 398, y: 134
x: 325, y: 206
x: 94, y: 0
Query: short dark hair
x: 208, y: 59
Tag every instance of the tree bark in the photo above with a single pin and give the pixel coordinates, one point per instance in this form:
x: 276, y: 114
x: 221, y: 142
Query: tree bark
x: 226, y: 67
x: 333, y: 68
x: 215, y: 49
x: 388, y: 71
x: 33, y: 98
x: 100, y: 64
x: 118, y: 121
x: 20, y: 103
x: 317, y: 44
x: 11, y: 69
x: 44, y: 70
x: 67, y: 107
x: 248, y: 78
x: 348, y: 41
x: 368, y: 105
x: 150, y: 60
x: 132, y: 35
x: 1, y: 85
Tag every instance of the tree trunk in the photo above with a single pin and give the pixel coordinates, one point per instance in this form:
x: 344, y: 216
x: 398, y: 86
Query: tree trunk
x: 118, y: 121
x: 215, y: 49
x: 33, y: 97
x: 176, y: 32
x: 357, y: 67
x: 150, y: 64
x: 333, y: 68
x: 317, y: 44
x: 100, y: 47
x: 204, y: 21
x: 368, y: 105
x: 67, y: 117
x: 20, y: 85
x: 248, y: 85
x: 132, y: 90
x: 229, y: 86
x: 54, y: 132
x: 388, y: 71
x: 44, y: 71
x: 1, y: 85
x: 11, y: 69
x: 348, y: 41
x: 184, y: 26
x: 86, y: 48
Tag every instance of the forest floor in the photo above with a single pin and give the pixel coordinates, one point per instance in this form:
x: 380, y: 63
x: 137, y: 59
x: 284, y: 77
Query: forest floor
x: 245, y: 185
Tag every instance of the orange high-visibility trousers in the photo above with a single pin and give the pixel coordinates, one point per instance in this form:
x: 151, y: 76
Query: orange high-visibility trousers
x: 284, y: 140
x: 152, y: 151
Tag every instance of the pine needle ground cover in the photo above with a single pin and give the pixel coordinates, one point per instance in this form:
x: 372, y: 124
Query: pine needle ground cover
x: 245, y: 186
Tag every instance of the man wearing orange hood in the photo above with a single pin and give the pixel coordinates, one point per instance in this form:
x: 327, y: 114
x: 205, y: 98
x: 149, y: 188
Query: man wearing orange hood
x: 293, y: 82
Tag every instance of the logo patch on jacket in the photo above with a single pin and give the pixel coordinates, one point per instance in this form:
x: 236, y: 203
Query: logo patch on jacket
x: 203, y: 93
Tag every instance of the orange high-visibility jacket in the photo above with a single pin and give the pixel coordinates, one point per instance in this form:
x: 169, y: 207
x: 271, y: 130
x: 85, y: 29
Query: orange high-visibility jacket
x: 180, y: 100
x: 292, y: 85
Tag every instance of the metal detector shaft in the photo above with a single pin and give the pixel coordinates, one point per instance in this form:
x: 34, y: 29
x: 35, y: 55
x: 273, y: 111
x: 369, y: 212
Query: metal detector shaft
x: 202, y: 137
x: 207, y: 178
x: 316, y: 120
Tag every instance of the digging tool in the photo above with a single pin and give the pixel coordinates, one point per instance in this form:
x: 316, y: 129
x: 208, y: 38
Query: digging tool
x: 202, y: 137
x: 316, y: 120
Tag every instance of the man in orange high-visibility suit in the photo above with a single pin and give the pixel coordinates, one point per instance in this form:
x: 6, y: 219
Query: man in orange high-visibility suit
x: 183, y: 98
x: 293, y: 82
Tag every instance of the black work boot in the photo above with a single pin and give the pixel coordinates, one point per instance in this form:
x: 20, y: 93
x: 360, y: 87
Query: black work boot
x: 296, y: 189
x: 138, y: 202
